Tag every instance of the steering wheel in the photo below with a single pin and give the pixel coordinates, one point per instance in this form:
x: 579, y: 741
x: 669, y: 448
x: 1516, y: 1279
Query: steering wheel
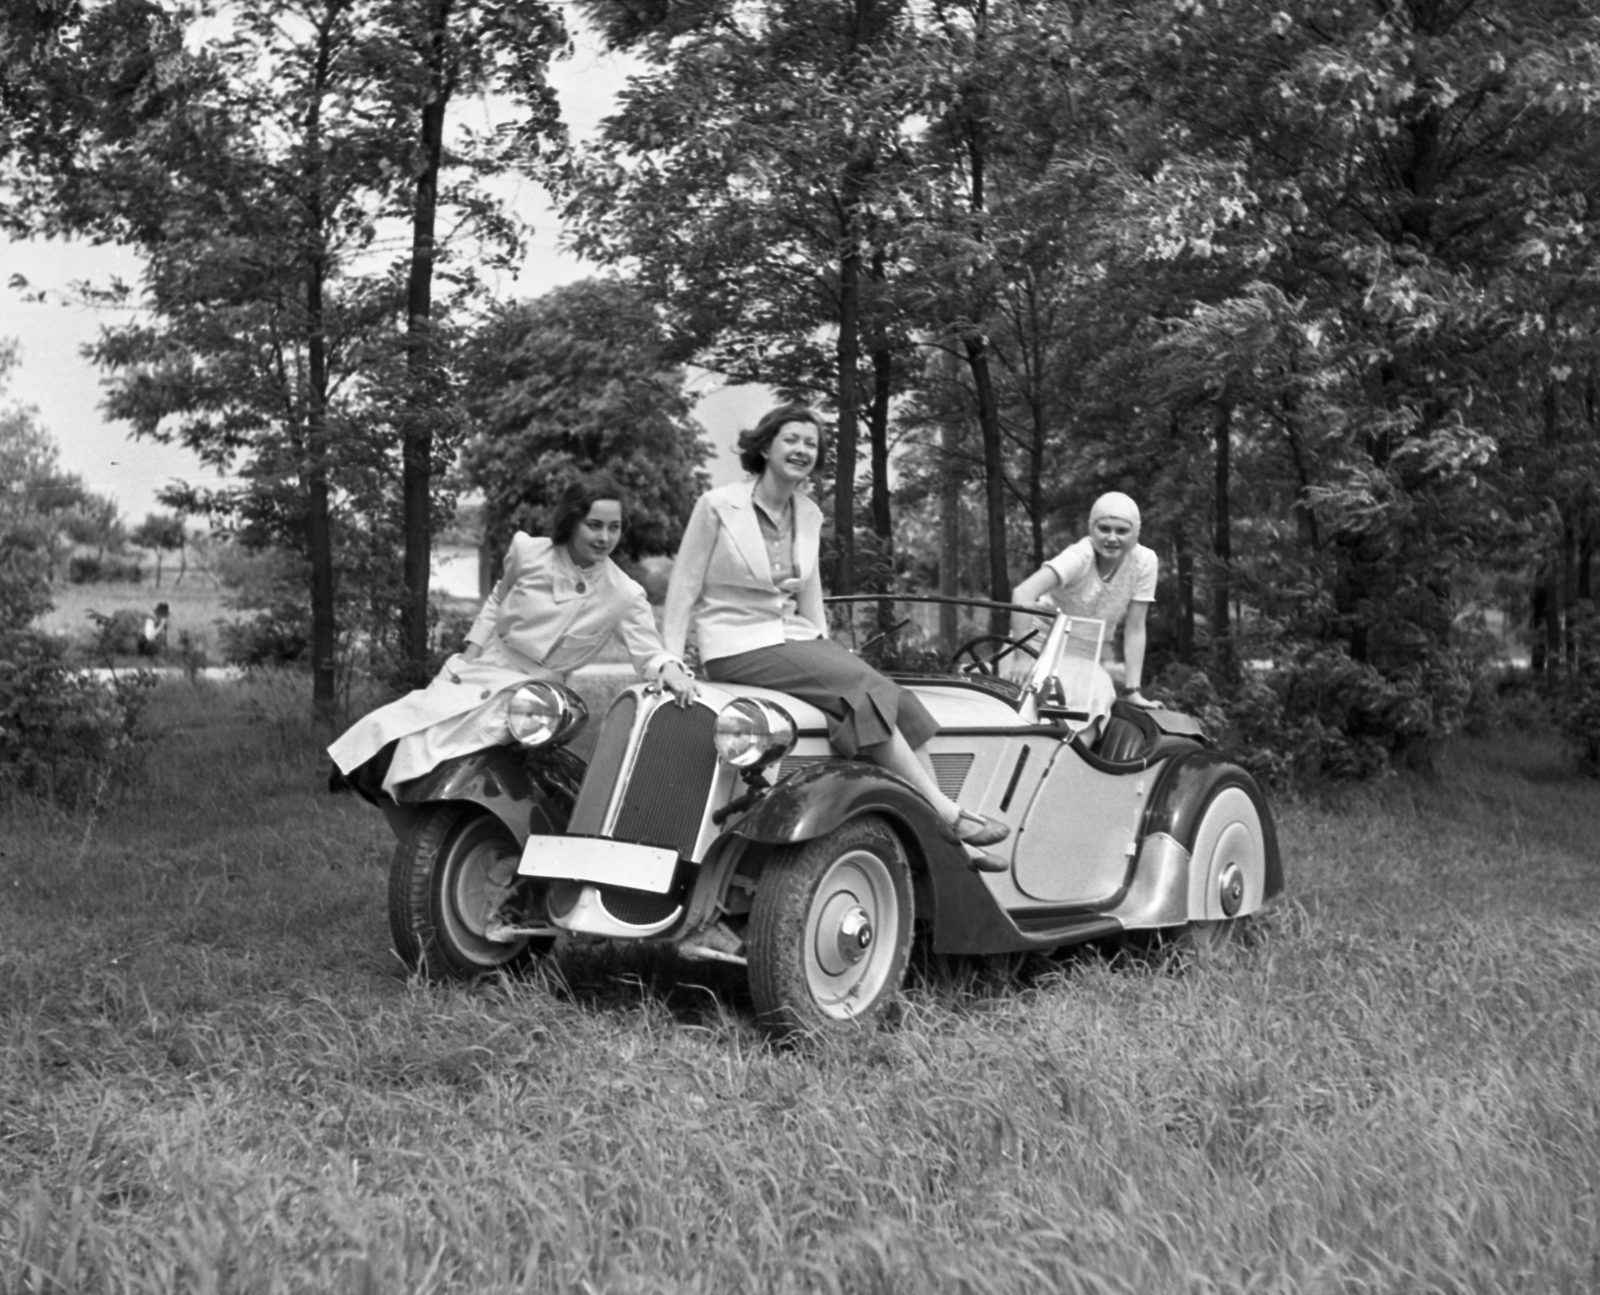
x: 983, y: 655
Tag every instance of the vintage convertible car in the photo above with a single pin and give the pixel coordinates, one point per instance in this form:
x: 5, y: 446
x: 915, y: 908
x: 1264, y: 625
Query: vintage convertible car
x: 732, y: 831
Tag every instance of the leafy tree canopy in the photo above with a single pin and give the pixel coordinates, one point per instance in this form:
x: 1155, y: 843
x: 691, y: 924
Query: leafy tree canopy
x: 579, y: 380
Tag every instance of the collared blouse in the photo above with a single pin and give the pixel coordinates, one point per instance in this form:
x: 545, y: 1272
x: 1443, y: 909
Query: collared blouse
x: 724, y: 585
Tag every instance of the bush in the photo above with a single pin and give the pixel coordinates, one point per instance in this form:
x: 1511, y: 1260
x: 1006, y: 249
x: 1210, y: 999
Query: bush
x: 117, y: 635
x: 65, y: 735
x: 1580, y: 719
x: 24, y: 573
x: 270, y: 584
x: 1315, y: 714
x: 274, y: 636
x: 86, y: 569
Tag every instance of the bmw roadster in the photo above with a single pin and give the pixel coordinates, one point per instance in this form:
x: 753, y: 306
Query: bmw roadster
x: 732, y: 831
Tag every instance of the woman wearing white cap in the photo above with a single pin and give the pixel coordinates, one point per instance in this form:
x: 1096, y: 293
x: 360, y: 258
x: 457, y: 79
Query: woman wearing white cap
x: 1109, y: 576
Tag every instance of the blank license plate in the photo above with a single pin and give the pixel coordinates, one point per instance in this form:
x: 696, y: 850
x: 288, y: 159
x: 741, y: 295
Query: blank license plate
x: 600, y: 860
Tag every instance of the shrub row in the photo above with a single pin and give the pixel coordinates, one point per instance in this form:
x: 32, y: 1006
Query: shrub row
x: 85, y: 569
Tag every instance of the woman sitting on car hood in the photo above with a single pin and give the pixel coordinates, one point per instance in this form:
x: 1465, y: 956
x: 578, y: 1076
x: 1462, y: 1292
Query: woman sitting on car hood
x: 747, y: 579
x: 559, y: 601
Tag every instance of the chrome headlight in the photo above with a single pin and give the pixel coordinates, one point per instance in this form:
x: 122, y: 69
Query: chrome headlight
x: 751, y: 733
x: 542, y: 714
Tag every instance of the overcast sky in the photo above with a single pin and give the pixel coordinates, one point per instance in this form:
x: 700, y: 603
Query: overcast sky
x: 65, y: 388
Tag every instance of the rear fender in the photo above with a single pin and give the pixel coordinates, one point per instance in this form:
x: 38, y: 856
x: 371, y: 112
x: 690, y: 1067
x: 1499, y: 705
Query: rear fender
x: 951, y: 898
x: 1185, y: 788
x: 527, y: 790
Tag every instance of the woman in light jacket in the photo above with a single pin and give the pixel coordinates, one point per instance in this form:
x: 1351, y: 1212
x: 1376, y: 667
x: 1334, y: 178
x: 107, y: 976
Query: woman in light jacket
x: 747, y: 580
x: 559, y: 601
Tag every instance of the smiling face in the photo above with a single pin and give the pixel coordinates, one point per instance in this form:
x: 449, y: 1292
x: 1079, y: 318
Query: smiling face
x: 793, y: 452
x: 596, y: 533
x: 1111, y: 537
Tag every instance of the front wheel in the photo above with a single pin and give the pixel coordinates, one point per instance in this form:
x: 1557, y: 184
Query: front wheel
x: 452, y: 872
x: 830, y: 930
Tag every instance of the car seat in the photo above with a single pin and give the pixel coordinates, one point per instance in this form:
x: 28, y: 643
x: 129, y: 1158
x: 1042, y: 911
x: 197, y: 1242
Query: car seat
x: 1122, y: 741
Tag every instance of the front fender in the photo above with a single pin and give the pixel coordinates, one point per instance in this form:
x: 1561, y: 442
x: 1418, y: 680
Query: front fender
x: 527, y: 790
x: 1181, y: 794
x: 960, y: 912
x: 815, y: 799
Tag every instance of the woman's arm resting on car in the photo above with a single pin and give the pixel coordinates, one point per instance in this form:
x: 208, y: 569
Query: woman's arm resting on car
x: 1133, y: 645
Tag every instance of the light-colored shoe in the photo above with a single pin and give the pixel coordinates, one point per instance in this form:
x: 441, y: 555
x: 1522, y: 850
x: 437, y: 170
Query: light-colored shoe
x: 978, y: 830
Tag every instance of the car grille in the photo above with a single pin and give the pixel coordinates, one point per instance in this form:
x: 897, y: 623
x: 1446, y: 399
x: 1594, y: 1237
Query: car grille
x: 637, y: 907
x: 950, y: 769
x: 674, y: 769
x: 589, y: 811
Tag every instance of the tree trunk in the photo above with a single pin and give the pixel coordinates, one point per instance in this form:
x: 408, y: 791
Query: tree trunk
x: 949, y: 509
x: 994, y: 478
x: 1222, y: 540
x: 1305, y: 514
x: 977, y: 348
x: 319, y: 509
x: 1184, y: 644
x: 1538, y: 614
x: 1035, y: 351
x: 878, y: 435
x: 1550, y: 654
x: 416, y: 480
x: 848, y: 352
x: 1569, y: 595
x: 1036, y: 487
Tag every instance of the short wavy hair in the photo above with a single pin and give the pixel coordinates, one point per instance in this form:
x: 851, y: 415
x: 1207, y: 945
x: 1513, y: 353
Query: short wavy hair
x: 579, y: 497
x: 754, y: 444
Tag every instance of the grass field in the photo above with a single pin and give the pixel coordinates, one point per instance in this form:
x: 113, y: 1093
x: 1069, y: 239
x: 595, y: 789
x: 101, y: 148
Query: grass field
x: 197, y: 605
x: 214, y: 1077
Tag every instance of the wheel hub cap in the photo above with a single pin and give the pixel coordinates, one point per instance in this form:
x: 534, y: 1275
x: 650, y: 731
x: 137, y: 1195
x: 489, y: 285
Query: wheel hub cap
x: 845, y: 934
x: 855, y: 935
x: 1231, y: 889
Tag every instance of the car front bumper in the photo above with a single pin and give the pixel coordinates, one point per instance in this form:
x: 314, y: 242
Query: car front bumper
x: 599, y: 860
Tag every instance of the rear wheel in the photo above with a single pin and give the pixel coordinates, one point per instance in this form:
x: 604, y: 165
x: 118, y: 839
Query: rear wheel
x: 1230, y: 853
x: 830, y: 930
x: 453, y: 872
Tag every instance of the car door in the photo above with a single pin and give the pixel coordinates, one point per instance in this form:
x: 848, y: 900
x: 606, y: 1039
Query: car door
x: 1077, y: 838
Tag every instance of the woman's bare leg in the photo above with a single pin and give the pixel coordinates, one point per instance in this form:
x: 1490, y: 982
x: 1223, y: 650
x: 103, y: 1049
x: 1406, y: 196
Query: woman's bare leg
x: 896, y: 756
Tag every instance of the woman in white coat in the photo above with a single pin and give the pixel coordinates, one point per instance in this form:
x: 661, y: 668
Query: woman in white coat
x: 559, y: 601
x: 747, y: 580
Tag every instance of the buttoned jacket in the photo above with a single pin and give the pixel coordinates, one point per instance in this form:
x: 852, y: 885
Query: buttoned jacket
x: 536, y: 624
x: 722, y: 585
x: 544, y: 613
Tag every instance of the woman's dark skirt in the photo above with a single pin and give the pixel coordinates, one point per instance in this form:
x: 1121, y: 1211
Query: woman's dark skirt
x: 863, y: 707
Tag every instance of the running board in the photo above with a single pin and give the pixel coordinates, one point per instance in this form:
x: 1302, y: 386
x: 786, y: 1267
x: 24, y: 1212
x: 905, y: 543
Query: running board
x: 1049, y: 929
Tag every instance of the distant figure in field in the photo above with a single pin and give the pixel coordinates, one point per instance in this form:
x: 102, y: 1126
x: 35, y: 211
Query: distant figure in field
x: 153, y: 638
